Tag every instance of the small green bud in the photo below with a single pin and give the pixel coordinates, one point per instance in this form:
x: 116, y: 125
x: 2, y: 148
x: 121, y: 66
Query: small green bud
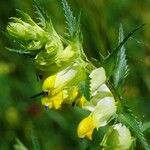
x: 32, y: 35
x: 25, y: 31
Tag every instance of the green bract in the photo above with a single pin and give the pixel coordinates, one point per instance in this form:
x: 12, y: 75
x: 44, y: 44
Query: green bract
x: 54, y: 58
x: 51, y: 55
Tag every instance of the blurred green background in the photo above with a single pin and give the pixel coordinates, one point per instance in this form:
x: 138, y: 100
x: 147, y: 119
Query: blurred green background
x: 26, y: 119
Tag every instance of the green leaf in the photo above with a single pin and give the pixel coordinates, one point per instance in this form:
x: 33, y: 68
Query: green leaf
x: 84, y: 87
x: 109, y: 62
x: 121, y: 69
x: 127, y: 37
x: 19, y: 145
x: 127, y: 117
x: 146, y: 126
x: 70, y: 19
x: 35, y: 142
x: 19, y: 51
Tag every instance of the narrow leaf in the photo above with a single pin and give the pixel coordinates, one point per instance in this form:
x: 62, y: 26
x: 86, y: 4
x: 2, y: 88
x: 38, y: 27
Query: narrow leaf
x: 109, y: 62
x: 121, y: 67
x: 146, y: 126
x: 20, y: 51
x: 19, y: 145
x: 43, y: 17
x: 70, y: 19
x: 128, y: 36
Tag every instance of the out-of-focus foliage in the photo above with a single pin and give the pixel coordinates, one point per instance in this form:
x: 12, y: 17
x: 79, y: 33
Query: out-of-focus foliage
x: 25, y: 118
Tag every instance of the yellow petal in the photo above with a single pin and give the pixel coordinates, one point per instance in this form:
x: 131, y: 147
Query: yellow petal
x: 69, y: 95
x: 53, y: 102
x: 49, y: 83
x: 57, y: 100
x: 74, y: 92
x: 86, y: 127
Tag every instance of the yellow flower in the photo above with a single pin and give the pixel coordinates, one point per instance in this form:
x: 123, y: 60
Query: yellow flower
x: 64, y: 79
x: 99, y: 117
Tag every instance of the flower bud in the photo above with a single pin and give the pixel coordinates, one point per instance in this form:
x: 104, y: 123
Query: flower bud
x: 33, y: 37
x: 70, y: 53
x: 46, y: 59
x: 25, y: 31
x: 118, y: 137
x: 55, y: 58
x: 12, y: 116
